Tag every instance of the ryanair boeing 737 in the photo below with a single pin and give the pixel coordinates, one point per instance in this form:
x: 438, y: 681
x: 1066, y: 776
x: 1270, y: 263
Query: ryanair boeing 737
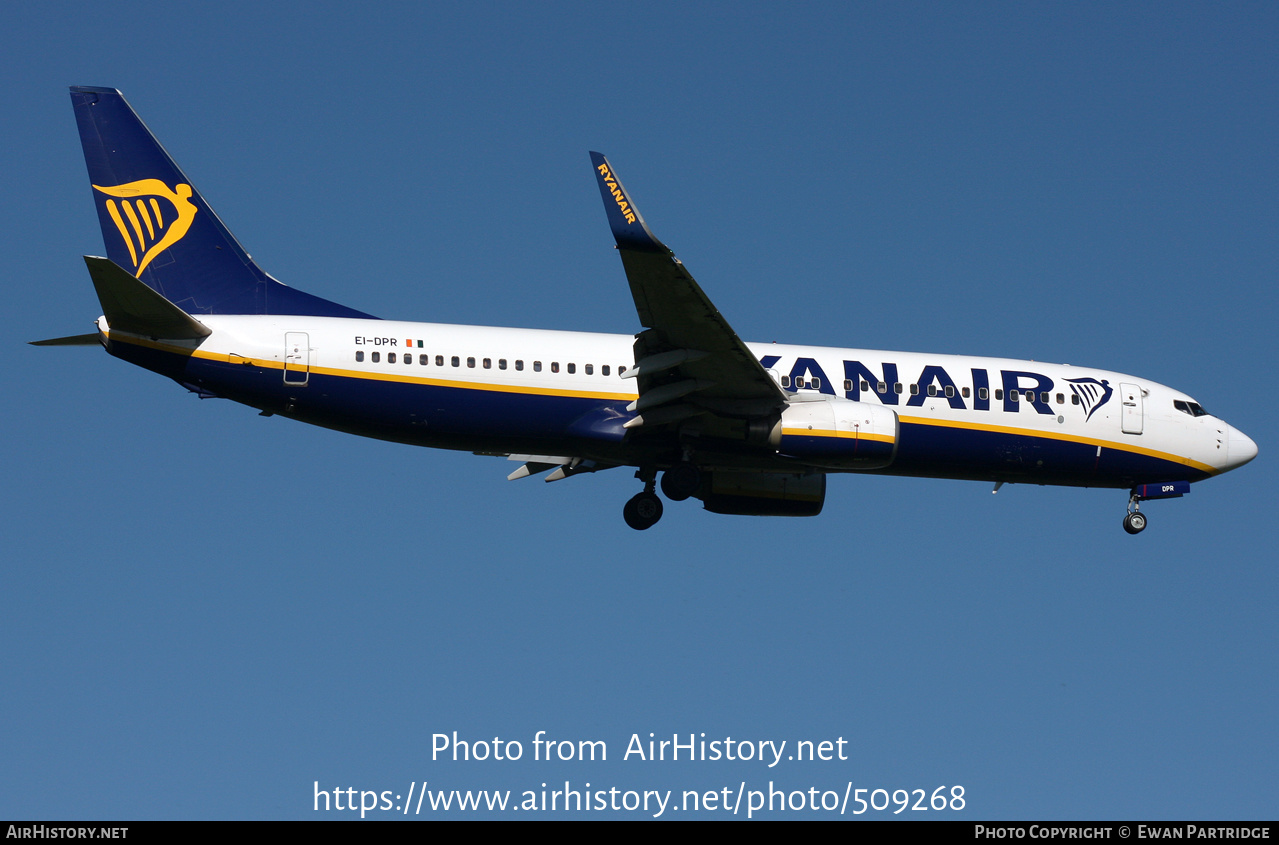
x: 746, y: 428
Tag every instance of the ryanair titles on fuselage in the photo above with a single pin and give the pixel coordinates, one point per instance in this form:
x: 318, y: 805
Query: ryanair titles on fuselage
x: 1013, y: 388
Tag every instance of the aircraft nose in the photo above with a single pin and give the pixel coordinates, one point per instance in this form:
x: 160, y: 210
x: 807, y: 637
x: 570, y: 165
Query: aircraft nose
x: 1240, y: 449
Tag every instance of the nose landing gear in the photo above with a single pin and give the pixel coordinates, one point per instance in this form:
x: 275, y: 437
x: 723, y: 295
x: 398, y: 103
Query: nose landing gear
x: 1135, y: 522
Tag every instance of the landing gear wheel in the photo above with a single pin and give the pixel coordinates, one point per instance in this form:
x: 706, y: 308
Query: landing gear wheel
x: 1135, y: 522
x: 642, y: 511
x: 681, y: 481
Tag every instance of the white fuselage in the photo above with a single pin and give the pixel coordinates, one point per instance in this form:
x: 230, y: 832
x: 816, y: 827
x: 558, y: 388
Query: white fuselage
x: 497, y: 389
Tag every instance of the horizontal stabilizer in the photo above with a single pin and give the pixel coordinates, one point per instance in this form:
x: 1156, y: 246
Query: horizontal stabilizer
x: 131, y: 306
x: 74, y: 340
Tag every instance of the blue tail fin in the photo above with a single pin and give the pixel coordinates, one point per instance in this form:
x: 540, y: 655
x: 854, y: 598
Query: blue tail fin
x: 159, y: 228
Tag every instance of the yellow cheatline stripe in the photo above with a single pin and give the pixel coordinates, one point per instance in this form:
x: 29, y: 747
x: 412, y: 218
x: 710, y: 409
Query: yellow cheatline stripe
x: 545, y: 391
x: 849, y: 435
x: 466, y: 385
x: 1069, y: 438
x: 372, y: 376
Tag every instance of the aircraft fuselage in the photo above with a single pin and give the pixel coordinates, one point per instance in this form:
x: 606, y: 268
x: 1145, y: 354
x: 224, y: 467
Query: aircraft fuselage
x: 503, y: 390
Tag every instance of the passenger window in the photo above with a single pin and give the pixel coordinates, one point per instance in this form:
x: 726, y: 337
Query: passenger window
x: 965, y: 393
x: 897, y: 387
x: 537, y: 366
x: 881, y: 387
x: 848, y: 385
x: 1014, y: 395
x: 1074, y: 399
x: 604, y: 370
x: 999, y: 394
x: 1061, y: 399
x: 501, y: 363
x: 983, y: 393
x: 572, y: 368
x: 590, y: 369
x: 1043, y: 397
x: 621, y: 368
x: 914, y: 390
x: 932, y: 390
x: 799, y: 381
x: 519, y: 363
x: 488, y: 363
x: 377, y: 356
x: 408, y: 357
x: 555, y: 366
x: 359, y: 355
x: 470, y: 362
x: 439, y: 360
x: 950, y: 392
x: 424, y: 360
x: 455, y: 361
x: 785, y: 381
x: 390, y: 357
x: 815, y: 383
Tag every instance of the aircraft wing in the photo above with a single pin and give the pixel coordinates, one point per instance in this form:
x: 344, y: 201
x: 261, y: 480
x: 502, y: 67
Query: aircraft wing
x: 689, y: 361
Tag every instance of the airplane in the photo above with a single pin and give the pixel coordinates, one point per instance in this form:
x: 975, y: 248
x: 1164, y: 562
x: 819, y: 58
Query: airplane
x: 746, y: 428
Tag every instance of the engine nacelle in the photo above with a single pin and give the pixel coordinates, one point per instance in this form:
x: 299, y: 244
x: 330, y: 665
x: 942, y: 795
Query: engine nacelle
x: 763, y: 493
x: 839, y: 434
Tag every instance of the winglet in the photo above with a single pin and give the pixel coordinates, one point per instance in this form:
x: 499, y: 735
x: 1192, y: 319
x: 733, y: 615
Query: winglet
x: 624, y: 218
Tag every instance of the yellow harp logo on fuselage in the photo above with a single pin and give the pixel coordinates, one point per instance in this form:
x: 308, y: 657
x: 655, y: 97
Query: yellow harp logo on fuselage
x: 151, y: 217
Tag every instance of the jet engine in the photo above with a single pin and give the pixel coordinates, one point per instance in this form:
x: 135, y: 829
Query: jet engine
x: 839, y: 434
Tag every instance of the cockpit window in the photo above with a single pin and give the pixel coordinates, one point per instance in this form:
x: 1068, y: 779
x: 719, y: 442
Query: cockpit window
x: 1192, y: 408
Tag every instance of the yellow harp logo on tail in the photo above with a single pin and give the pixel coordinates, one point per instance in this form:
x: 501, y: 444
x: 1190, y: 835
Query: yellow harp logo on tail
x: 151, y: 218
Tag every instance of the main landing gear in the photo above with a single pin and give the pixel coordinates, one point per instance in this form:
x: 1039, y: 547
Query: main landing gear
x: 643, y: 510
x: 681, y: 481
x: 1135, y: 521
x: 678, y: 483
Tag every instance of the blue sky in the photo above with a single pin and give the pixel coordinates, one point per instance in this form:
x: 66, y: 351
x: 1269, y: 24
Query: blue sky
x: 203, y: 612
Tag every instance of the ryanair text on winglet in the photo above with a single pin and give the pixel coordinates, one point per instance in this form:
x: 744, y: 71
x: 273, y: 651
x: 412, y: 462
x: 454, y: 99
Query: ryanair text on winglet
x: 611, y: 181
